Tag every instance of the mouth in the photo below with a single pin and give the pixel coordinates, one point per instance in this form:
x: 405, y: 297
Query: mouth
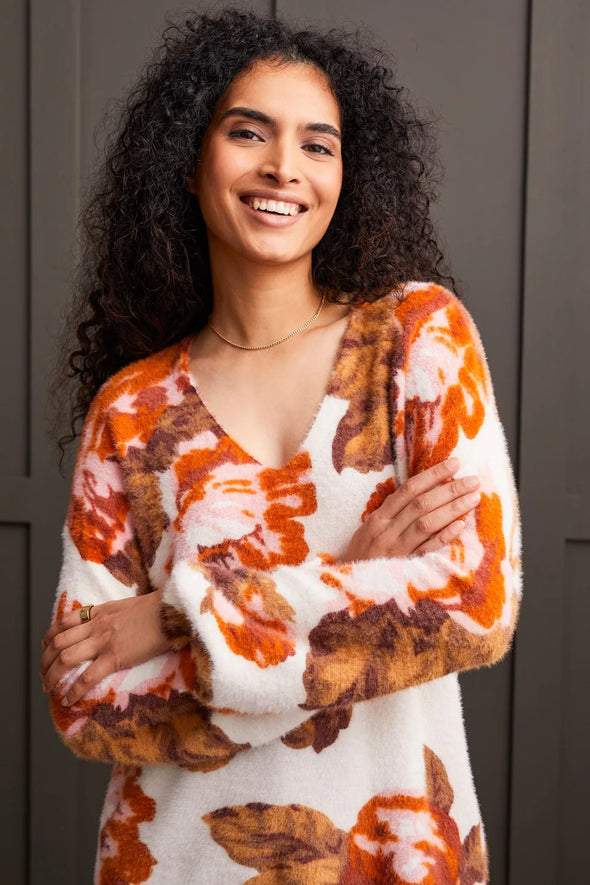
x: 273, y: 207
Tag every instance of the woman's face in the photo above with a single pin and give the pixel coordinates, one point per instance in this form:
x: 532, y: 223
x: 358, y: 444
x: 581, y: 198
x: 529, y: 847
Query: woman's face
x: 270, y: 167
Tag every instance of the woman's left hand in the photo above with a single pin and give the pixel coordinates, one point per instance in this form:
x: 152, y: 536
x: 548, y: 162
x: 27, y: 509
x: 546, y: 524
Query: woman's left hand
x: 119, y: 634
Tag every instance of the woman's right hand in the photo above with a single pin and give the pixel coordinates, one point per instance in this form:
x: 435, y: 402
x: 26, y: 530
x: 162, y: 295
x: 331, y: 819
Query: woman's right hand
x: 423, y: 514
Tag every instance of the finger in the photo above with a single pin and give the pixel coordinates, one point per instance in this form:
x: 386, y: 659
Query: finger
x: 435, y: 499
x: 449, y: 534
x: 417, y: 485
x: 92, y: 675
x: 425, y: 506
x: 447, y: 491
x: 67, y: 659
x: 72, y: 619
x: 429, y: 524
x: 68, y: 637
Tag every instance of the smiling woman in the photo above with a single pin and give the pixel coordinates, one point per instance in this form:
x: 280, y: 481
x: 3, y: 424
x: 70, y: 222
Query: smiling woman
x: 293, y: 519
x: 274, y: 142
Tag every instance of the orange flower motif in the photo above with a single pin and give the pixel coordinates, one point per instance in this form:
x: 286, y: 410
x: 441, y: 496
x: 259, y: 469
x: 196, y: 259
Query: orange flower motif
x: 436, y: 424
x: 134, y: 399
x: 403, y: 840
x: 481, y: 593
x: 252, y: 616
x: 125, y: 858
x: 382, y: 490
x: 97, y: 518
x: 243, y: 515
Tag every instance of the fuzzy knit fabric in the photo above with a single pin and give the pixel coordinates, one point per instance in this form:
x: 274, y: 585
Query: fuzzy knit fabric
x: 306, y: 725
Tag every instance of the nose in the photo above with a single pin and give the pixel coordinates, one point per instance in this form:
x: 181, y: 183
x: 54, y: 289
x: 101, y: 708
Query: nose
x: 280, y: 161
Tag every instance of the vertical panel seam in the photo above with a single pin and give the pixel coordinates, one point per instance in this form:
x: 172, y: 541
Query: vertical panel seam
x: 28, y: 626
x: 519, y: 392
x: 523, y: 227
x: 28, y: 244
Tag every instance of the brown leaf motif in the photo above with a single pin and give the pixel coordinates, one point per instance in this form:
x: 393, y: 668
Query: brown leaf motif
x: 397, y: 838
x: 362, y: 440
x: 326, y: 871
x: 355, y: 657
x: 294, y: 842
x: 474, y: 861
x: 438, y: 789
x: 319, y: 731
x: 156, y: 727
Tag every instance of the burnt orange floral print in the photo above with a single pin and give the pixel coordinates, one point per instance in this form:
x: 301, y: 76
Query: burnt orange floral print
x: 125, y: 857
x: 398, y: 838
x: 252, y: 616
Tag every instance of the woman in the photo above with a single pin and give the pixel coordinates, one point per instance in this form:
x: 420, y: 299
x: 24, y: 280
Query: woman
x: 293, y: 520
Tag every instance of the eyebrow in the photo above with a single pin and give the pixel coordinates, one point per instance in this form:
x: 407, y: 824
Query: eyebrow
x: 325, y: 128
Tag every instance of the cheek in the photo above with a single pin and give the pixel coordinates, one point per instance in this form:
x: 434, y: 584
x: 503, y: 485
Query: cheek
x: 328, y: 189
x: 211, y: 178
x: 330, y: 185
x: 214, y: 182
x: 217, y: 169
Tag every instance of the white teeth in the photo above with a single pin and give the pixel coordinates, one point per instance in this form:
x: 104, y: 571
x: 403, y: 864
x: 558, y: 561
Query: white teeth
x: 277, y: 206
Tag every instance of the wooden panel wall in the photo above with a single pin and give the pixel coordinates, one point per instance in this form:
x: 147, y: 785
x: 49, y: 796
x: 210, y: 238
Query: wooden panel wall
x: 14, y: 441
x: 447, y: 54
x: 551, y: 772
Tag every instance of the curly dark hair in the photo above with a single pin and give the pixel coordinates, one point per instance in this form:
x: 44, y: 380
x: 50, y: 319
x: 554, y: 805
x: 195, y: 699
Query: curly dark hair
x: 143, y: 281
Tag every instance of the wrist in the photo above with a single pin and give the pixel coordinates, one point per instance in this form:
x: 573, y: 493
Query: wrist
x: 174, y: 624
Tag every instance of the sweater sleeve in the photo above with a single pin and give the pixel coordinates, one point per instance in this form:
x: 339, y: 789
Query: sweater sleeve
x: 147, y: 713
x: 326, y: 634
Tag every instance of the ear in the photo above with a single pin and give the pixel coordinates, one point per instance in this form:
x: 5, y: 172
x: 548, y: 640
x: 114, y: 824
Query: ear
x: 191, y: 184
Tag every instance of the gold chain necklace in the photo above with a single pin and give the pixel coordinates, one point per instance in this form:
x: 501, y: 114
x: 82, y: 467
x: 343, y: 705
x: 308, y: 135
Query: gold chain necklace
x: 273, y: 343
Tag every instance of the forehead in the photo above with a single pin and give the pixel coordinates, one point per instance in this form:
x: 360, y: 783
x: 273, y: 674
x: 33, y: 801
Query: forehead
x: 279, y: 88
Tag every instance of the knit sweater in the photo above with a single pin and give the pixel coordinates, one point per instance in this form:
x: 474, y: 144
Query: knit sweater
x: 306, y: 725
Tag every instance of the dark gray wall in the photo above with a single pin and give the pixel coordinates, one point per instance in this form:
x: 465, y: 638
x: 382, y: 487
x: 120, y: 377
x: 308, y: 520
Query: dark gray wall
x: 551, y: 774
x: 448, y: 56
x: 509, y: 82
x: 14, y: 443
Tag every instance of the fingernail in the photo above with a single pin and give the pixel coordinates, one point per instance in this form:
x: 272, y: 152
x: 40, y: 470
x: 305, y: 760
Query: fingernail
x: 65, y: 702
x: 452, y: 463
x: 472, y: 499
x: 472, y: 482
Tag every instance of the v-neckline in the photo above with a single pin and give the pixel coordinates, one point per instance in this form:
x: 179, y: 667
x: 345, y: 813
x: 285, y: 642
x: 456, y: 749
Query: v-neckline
x: 185, y: 370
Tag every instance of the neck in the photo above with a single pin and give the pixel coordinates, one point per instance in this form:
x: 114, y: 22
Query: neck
x: 255, y: 304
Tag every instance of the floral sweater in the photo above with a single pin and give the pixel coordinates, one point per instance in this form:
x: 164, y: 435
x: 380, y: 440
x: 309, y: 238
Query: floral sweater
x: 305, y: 726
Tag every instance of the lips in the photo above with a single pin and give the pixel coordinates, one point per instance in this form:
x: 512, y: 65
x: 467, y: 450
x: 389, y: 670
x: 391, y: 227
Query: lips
x: 273, y: 204
x: 277, y: 206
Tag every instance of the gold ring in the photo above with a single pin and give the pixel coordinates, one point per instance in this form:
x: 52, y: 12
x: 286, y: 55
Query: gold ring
x: 85, y: 612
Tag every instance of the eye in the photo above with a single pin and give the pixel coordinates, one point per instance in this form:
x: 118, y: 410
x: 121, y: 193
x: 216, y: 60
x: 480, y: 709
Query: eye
x: 246, y: 134
x: 316, y: 148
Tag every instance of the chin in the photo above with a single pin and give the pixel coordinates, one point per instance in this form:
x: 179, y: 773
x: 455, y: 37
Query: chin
x: 274, y: 256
